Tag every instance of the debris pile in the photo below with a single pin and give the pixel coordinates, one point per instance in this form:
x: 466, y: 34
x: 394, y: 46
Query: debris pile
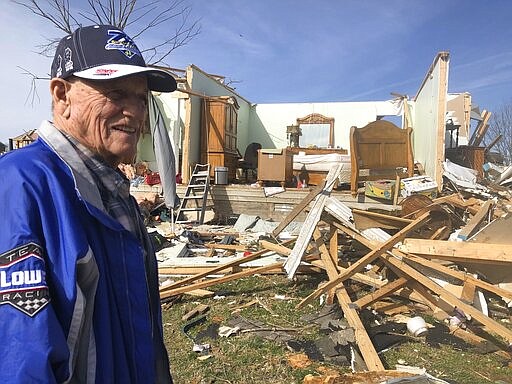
x: 450, y: 257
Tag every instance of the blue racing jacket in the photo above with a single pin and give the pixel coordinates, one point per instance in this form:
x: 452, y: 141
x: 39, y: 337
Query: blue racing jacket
x: 78, y: 300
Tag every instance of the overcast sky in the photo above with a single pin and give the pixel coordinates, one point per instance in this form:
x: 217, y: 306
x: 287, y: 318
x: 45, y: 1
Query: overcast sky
x: 301, y: 51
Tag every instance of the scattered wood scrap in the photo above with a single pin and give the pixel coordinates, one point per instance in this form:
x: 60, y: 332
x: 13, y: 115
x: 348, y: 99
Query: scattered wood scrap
x: 407, y: 256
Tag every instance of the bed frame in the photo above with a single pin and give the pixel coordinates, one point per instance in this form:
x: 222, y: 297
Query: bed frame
x: 383, y: 150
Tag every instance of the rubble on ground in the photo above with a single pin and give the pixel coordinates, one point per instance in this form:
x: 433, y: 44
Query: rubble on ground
x: 449, y: 257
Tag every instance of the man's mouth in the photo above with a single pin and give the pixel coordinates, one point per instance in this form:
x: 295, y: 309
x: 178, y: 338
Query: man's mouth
x: 124, y: 128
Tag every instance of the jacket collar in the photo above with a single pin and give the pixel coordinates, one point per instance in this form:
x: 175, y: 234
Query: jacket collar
x: 84, y: 181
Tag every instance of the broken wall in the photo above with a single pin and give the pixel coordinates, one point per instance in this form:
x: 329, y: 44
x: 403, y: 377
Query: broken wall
x: 172, y: 106
x: 269, y: 121
x: 459, y: 105
x: 428, y: 111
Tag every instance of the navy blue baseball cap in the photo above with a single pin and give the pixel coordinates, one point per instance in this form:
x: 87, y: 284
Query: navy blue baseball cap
x: 102, y: 52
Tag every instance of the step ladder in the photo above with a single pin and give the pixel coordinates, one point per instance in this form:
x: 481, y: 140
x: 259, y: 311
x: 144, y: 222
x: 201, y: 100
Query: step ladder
x: 196, y: 195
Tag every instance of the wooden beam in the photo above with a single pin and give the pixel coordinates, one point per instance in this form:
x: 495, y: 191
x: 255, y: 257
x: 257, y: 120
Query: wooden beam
x: 185, y: 157
x: 480, y: 130
x: 473, y: 224
x: 218, y: 269
x: 230, y: 247
x: 493, y: 143
x: 278, y: 248
x: 368, y: 258
x: 386, y: 290
x: 368, y: 352
x: 458, y: 251
x: 442, y: 88
x: 368, y: 219
x: 450, y: 298
x: 208, y: 283
x: 462, y: 276
x: 395, y: 259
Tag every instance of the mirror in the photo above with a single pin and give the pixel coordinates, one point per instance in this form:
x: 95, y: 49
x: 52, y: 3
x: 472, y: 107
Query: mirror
x: 317, y: 131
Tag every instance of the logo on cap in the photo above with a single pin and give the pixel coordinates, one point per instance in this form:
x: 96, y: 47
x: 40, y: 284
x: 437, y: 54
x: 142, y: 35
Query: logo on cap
x: 67, y: 55
x: 119, y: 41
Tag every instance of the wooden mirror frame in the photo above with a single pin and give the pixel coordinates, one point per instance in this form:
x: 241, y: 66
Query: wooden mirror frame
x: 316, y: 118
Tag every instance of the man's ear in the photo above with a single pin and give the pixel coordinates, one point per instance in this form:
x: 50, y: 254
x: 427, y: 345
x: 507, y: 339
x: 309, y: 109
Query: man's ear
x: 60, y: 97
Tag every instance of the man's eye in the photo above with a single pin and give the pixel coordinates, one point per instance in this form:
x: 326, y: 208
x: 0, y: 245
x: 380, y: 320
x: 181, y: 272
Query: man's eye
x: 116, y: 95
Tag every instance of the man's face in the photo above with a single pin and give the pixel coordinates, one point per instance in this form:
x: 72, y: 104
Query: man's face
x: 108, y: 116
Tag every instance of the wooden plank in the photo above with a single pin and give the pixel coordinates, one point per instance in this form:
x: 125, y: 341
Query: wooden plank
x: 186, y: 167
x: 198, y: 310
x: 220, y: 268
x: 386, y: 290
x: 278, y: 248
x: 232, y: 247
x: 480, y: 130
x: 450, y: 298
x: 458, y: 251
x: 493, y: 143
x: 473, y: 224
x: 439, y: 140
x: 462, y: 276
x: 333, y: 243
x: 368, y: 258
x: 293, y: 261
x: 298, y: 208
x: 439, y: 307
x: 368, y: 219
x: 394, y: 258
x: 397, y: 189
x: 368, y: 352
x: 208, y: 283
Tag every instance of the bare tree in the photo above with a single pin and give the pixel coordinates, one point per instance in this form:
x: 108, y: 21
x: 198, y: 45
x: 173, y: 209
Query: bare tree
x: 499, y: 133
x: 170, y: 17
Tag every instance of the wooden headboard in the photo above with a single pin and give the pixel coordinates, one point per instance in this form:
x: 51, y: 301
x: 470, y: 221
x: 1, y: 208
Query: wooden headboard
x: 381, y: 148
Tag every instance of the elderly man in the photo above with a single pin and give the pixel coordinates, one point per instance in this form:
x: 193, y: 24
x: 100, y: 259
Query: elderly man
x: 78, y: 274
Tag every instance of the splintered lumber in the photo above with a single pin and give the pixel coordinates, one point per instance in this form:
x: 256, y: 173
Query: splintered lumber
x: 298, y: 208
x: 380, y: 293
x: 278, y: 248
x: 395, y: 258
x: 462, y: 276
x: 368, y: 352
x: 480, y: 129
x: 223, y: 267
x: 359, y: 277
x: 459, y: 251
x: 470, y: 228
x: 198, y: 310
x: 472, y: 204
x: 312, y: 219
x: 493, y: 143
x: 223, y: 279
x: 450, y: 298
x: 367, y: 219
x: 368, y: 258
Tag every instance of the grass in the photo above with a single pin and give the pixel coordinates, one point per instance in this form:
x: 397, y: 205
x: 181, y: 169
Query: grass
x: 249, y: 358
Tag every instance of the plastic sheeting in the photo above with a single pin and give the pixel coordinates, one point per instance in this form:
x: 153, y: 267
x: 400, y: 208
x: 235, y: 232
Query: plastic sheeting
x: 164, y: 154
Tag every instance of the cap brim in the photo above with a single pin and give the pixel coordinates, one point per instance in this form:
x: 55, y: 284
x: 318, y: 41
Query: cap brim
x: 158, y: 79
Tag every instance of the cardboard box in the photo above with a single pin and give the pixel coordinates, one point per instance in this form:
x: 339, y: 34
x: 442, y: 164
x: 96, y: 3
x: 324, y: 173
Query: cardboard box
x: 423, y: 185
x: 383, y: 189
